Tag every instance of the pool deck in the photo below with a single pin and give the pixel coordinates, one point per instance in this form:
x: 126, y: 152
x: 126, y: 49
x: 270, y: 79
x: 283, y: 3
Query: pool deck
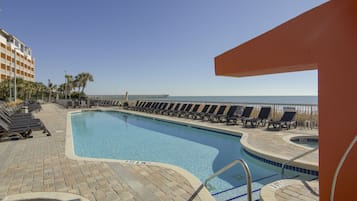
x: 40, y: 164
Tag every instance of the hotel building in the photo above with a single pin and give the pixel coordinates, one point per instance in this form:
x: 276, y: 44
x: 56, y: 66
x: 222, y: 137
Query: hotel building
x: 25, y: 64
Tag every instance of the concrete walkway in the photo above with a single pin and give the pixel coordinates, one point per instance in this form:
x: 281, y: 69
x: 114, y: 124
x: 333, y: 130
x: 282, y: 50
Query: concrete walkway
x: 40, y: 165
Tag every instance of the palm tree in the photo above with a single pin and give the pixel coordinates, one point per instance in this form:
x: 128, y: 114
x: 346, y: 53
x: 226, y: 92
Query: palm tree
x: 4, y: 89
x: 82, y: 80
x: 69, y: 84
x: 41, y: 89
x: 52, y: 88
x: 85, y: 78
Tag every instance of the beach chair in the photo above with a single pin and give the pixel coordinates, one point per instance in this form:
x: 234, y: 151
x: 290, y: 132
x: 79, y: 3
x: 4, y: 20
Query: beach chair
x: 23, y: 120
x: 175, y: 113
x: 198, y: 115
x: 214, y: 118
x: 233, y: 120
x: 16, y: 131
x: 183, y: 113
x: 231, y: 112
x: 160, y: 107
x: 286, y: 121
x: 194, y: 111
x: 167, y: 109
x: 211, y: 111
x: 146, y: 106
x: 177, y: 106
x: 154, y: 107
x: 260, y: 120
x: 141, y: 105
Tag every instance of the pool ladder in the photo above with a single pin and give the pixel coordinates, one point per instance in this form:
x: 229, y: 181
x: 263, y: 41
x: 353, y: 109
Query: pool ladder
x: 248, y: 176
x: 294, y: 158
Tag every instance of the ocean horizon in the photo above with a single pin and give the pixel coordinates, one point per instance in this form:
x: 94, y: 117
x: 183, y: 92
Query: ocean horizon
x: 311, y: 100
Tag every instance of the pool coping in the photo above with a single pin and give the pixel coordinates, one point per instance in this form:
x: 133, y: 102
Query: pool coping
x: 44, y: 195
x: 269, y: 191
x: 288, y: 139
x: 204, y: 194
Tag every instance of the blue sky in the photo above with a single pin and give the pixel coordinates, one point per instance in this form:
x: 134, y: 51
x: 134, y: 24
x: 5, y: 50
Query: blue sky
x: 152, y: 47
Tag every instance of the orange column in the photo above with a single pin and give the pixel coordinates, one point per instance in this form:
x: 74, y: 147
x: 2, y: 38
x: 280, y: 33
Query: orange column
x: 326, y: 38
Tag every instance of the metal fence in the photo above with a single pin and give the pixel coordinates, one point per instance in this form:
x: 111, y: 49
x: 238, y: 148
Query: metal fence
x: 306, y: 114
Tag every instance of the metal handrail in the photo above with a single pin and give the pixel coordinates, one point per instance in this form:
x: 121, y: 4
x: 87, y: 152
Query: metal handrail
x: 296, y: 157
x: 230, y: 165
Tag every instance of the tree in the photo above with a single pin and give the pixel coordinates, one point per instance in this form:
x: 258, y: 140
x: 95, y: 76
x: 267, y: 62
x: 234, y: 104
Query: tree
x: 69, y: 85
x: 85, y: 78
x: 81, y: 81
x: 52, y: 88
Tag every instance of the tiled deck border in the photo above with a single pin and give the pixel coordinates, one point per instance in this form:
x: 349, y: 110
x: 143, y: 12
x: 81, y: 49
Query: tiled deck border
x: 290, y: 189
x: 45, y: 196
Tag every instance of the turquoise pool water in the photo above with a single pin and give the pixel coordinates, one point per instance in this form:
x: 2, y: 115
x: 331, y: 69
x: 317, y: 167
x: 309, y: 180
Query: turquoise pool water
x: 308, y: 142
x: 121, y: 136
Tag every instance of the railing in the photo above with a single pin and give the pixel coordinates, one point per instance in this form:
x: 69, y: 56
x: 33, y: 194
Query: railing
x: 296, y: 157
x: 306, y: 114
x: 230, y: 165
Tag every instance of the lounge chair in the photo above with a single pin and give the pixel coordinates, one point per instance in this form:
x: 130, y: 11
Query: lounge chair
x: 165, y: 111
x: 15, y: 130
x: 176, y: 112
x: 245, y: 114
x: 155, y: 107
x: 214, y: 118
x: 286, y: 121
x: 211, y: 111
x: 152, y: 106
x: 194, y: 111
x: 147, y: 106
x: 141, y: 105
x: 177, y: 106
x: 260, y: 120
x: 231, y: 112
x: 183, y: 113
x: 200, y: 114
x: 23, y: 120
x: 161, y: 108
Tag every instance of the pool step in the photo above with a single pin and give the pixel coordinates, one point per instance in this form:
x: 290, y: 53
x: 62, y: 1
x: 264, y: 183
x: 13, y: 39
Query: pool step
x: 239, y: 193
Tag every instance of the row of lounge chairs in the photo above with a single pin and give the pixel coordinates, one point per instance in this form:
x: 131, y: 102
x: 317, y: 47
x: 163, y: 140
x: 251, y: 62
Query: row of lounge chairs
x: 235, y: 114
x: 14, y: 125
x: 88, y: 103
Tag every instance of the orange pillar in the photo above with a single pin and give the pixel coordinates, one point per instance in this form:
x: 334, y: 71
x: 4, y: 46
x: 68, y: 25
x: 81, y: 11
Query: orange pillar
x: 324, y: 38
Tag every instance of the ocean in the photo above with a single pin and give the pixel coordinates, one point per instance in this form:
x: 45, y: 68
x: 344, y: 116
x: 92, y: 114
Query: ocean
x: 310, y: 100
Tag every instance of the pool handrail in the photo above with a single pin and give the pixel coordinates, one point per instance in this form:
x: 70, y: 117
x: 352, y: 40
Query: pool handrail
x: 283, y: 165
x: 248, y: 175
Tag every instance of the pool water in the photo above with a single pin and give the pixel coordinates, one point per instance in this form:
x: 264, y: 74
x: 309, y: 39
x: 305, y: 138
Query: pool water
x: 122, y: 136
x: 312, y: 143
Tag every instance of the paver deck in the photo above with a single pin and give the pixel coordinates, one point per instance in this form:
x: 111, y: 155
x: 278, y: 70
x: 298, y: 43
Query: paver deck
x: 40, y: 164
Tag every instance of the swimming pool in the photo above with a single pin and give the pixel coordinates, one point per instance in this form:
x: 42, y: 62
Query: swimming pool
x: 307, y: 141
x: 116, y: 135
